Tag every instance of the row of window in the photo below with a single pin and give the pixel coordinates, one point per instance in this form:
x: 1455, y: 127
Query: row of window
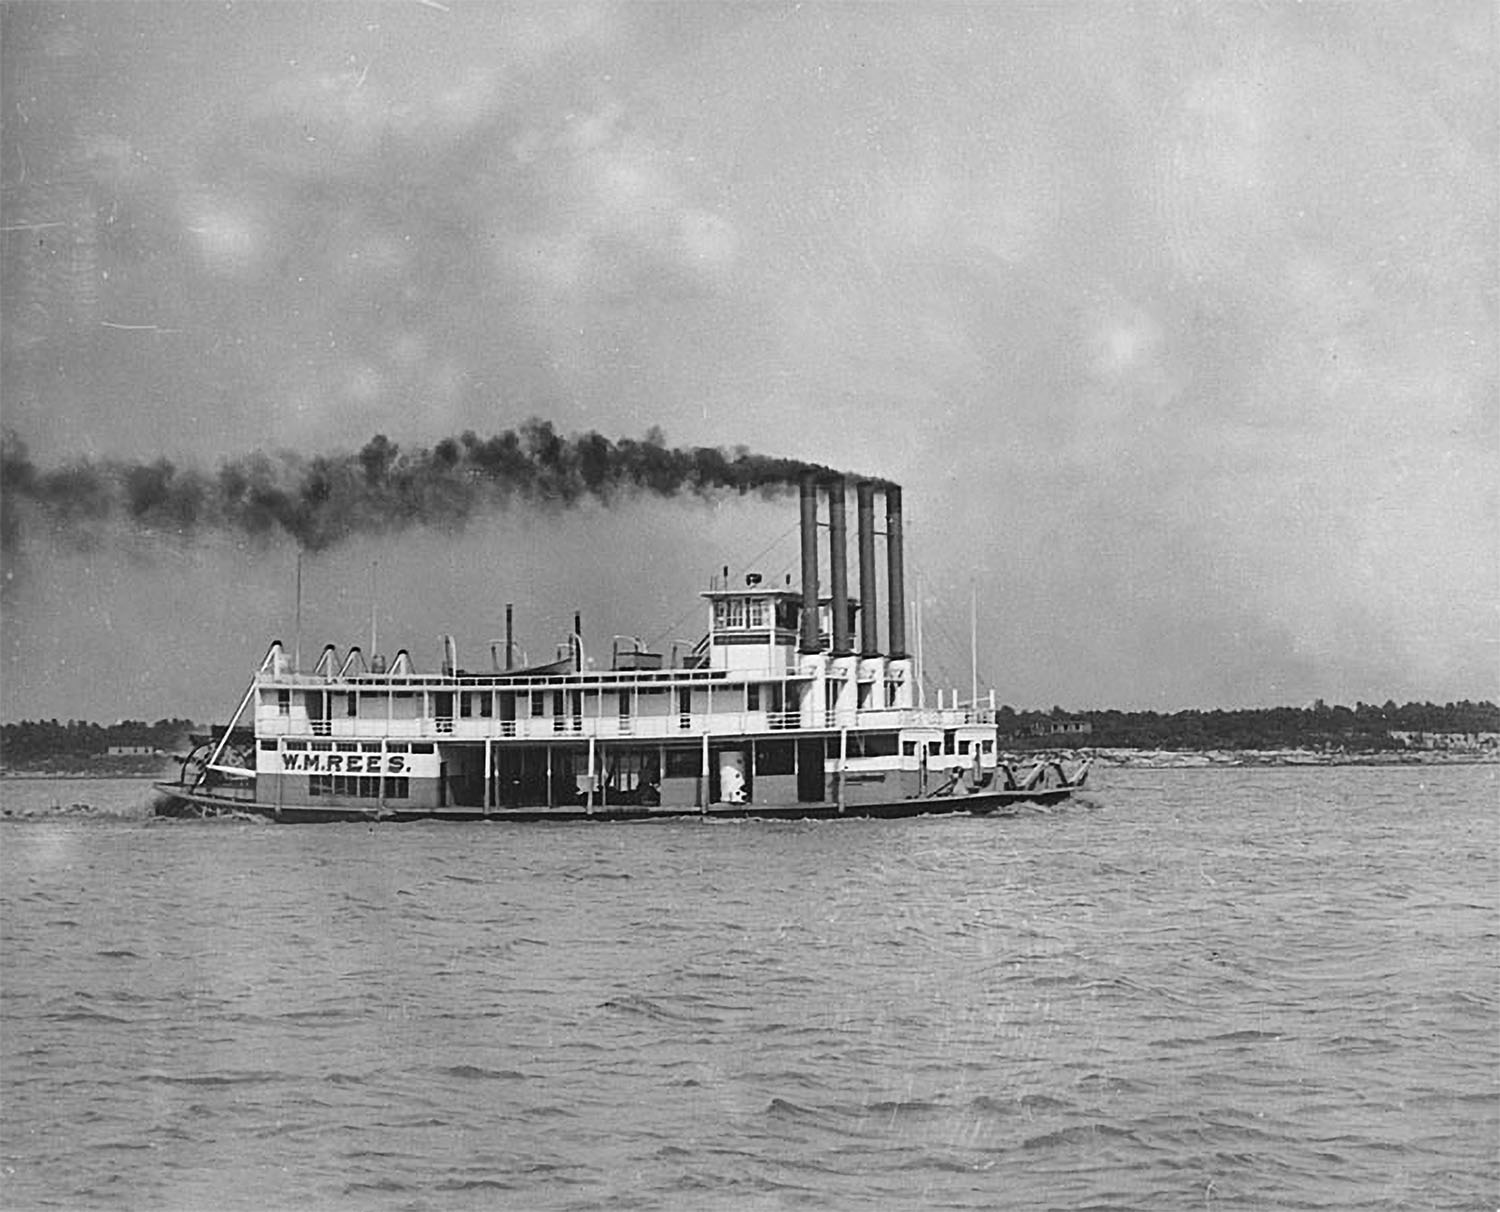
x: 351, y: 746
x: 481, y: 703
x: 754, y: 614
x: 363, y: 786
x: 948, y: 746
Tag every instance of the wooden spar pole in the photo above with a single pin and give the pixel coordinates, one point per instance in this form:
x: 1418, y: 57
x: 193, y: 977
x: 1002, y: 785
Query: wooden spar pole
x: 973, y: 647
x: 297, y: 652
x: 233, y: 720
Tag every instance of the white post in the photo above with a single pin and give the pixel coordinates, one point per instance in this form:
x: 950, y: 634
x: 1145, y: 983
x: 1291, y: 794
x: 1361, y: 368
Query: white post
x: 703, y: 776
x: 589, y: 803
x: 843, y: 764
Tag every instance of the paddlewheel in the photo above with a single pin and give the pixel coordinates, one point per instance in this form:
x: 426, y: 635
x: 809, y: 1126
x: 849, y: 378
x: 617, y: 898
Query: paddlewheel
x: 196, y: 773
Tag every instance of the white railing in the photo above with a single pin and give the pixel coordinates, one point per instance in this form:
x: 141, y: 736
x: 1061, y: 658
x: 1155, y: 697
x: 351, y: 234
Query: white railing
x: 609, y: 727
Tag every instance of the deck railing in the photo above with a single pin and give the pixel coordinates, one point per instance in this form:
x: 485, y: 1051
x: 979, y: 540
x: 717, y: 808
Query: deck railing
x: 610, y: 727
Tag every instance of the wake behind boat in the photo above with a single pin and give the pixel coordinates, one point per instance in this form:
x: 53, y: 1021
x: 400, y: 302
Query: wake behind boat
x: 775, y: 713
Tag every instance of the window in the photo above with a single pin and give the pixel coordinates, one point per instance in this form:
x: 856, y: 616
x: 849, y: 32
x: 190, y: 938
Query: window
x: 730, y: 614
x: 283, y: 702
x: 775, y: 757
x: 538, y: 703
x: 752, y: 697
x: 683, y: 763
x: 863, y: 744
x: 908, y: 749
x: 755, y: 612
x: 357, y: 786
x: 271, y: 745
x: 624, y: 703
x: 353, y: 708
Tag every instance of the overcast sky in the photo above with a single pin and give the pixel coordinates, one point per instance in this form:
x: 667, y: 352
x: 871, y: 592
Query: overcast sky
x: 1178, y: 323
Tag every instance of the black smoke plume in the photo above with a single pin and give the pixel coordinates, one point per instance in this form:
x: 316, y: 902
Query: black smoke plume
x: 322, y: 500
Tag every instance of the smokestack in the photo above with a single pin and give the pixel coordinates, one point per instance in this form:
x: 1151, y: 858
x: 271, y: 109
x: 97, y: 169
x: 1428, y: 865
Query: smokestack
x: 809, y: 501
x: 869, y: 618
x: 577, y: 642
x: 895, y: 570
x: 838, y: 567
x: 510, y: 646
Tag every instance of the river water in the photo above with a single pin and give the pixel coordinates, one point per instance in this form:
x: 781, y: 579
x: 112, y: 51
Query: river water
x: 1193, y: 989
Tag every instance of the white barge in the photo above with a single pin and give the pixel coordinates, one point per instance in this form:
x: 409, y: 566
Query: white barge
x: 777, y: 712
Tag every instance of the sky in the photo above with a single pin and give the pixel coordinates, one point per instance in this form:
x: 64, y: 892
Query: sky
x: 1176, y: 322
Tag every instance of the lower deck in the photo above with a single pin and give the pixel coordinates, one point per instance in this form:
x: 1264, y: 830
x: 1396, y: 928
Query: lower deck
x: 182, y: 802
x: 593, y: 775
x: 889, y: 773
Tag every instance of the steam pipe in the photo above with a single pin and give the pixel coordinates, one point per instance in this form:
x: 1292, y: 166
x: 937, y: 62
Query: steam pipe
x: 838, y: 567
x: 808, y: 489
x: 895, y: 564
x: 869, y: 619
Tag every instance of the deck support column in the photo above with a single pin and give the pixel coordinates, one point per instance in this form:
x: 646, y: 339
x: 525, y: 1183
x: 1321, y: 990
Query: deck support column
x: 489, y: 775
x: 589, y: 798
x: 843, y: 765
x: 703, y: 776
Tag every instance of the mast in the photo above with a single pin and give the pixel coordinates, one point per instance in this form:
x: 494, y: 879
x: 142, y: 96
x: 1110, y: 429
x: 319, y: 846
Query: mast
x: 297, y: 647
x: 921, y: 668
x: 973, y: 646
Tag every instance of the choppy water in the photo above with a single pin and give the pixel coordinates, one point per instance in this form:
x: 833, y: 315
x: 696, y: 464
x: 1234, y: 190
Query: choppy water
x: 1199, y: 989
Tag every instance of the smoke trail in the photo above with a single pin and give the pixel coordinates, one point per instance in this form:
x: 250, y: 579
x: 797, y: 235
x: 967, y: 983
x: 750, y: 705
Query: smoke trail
x: 323, y: 500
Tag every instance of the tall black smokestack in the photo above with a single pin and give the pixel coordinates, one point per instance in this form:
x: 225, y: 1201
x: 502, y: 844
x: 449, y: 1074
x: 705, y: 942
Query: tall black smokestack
x: 809, y: 502
x: 895, y: 570
x: 869, y: 617
x: 838, y: 567
x: 510, y: 635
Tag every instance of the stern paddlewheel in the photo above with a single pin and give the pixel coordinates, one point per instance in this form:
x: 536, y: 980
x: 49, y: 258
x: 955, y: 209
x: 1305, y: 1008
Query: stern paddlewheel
x: 195, y: 767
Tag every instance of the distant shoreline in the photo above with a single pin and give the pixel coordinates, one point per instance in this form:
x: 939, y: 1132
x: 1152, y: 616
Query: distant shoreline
x: 1198, y: 759
x: 154, y: 777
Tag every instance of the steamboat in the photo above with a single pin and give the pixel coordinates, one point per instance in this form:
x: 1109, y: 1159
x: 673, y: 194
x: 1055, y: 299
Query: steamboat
x: 790, y: 706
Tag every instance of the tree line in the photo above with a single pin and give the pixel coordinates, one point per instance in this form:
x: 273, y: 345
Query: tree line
x: 1363, y: 727
x: 42, y: 744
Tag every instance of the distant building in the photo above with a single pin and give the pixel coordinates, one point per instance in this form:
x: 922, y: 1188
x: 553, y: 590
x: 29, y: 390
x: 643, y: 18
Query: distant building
x: 133, y: 751
x: 1447, y: 740
x: 1062, y: 728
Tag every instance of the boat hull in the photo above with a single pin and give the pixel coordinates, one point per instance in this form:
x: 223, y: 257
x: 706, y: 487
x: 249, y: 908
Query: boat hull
x: 178, y: 801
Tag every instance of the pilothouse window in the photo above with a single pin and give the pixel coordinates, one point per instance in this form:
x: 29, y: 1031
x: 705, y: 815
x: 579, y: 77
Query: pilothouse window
x: 740, y: 614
